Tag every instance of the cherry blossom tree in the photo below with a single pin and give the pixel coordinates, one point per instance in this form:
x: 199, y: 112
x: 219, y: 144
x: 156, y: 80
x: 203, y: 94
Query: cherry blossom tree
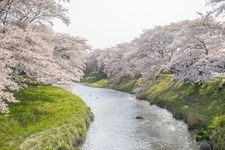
x: 202, y: 42
x: 31, y: 51
x: 5, y: 82
x: 39, y: 53
x: 218, y: 7
x: 21, y: 12
x: 187, y: 49
x: 69, y: 54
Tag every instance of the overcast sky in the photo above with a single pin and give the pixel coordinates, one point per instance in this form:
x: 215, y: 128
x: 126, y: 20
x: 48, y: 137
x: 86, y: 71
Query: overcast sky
x: 108, y: 22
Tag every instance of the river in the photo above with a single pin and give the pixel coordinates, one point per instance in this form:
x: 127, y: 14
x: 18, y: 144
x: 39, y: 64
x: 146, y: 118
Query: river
x: 116, y: 127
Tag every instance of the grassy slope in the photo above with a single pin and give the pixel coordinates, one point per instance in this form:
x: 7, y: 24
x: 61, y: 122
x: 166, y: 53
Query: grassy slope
x: 103, y: 83
x: 201, y: 106
x: 46, y: 118
x: 127, y: 85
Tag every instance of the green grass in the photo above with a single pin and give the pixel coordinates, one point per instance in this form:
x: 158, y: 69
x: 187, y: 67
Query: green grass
x: 47, y: 118
x: 202, y: 107
x: 128, y: 84
x: 100, y: 84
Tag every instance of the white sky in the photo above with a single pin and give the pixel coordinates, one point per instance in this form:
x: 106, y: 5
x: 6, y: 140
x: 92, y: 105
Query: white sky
x: 108, y: 22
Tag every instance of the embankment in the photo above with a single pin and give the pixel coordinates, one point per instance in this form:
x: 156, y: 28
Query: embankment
x: 202, y: 107
x: 47, y: 117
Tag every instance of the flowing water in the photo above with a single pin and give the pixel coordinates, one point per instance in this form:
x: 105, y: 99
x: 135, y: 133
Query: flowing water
x: 115, y: 126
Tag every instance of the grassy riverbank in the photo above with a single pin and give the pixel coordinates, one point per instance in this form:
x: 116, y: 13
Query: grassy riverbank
x: 47, y: 118
x: 202, y: 107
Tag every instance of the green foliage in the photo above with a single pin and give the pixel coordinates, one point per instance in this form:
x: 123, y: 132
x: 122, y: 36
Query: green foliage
x: 88, y: 80
x: 128, y: 84
x: 93, y: 76
x: 46, y: 118
x: 100, y: 84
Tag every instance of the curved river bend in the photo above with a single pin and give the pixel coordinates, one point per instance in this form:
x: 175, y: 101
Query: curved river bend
x: 115, y: 126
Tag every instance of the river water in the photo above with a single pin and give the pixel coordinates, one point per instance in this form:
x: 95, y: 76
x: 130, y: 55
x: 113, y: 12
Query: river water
x: 115, y: 126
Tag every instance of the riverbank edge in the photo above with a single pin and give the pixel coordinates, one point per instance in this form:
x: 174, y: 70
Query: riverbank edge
x: 200, y: 106
x: 47, y: 117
